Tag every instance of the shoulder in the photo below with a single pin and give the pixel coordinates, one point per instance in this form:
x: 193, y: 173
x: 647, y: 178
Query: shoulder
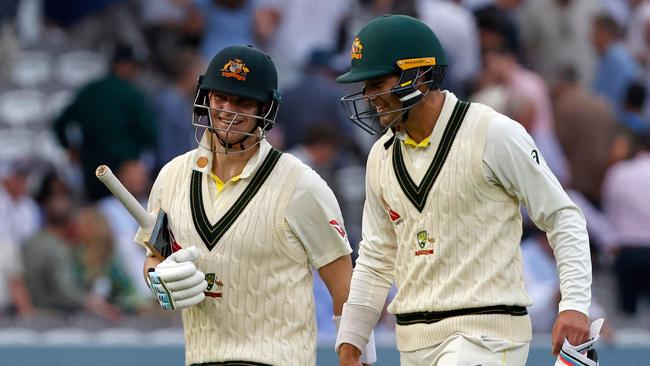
x: 505, y: 125
x: 293, y: 161
x: 308, y: 181
x: 176, y: 165
x: 311, y: 182
x: 503, y: 130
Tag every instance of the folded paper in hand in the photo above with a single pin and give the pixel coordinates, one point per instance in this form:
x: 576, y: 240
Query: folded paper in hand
x: 583, y: 354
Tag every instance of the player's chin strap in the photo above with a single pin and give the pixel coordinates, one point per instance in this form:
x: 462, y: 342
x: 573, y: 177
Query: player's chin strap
x: 237, y: 146
x: 406, y: 91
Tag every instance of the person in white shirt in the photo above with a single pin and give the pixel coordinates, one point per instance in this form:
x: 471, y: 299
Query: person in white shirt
x: 246, y: 223
x: 625, y: 204
x: 444, y: 186
x: 20, y: 218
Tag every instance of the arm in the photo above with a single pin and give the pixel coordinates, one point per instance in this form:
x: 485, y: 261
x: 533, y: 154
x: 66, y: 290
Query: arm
x: 20, y: 296
x: 509, y: 162
x: 373, y: 273
x: 314, y: 218
x: 61, y: 123
x: 336, y: 276
x: 12, y: 269
x: 60, y: 127
x: 145, y: 122
x: 267, y: 19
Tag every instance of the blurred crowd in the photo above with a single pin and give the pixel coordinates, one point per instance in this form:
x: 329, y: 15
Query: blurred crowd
x: 84, y: 83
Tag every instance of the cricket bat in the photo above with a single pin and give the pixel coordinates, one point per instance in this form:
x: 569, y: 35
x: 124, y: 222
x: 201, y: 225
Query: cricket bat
x: 158, y: 242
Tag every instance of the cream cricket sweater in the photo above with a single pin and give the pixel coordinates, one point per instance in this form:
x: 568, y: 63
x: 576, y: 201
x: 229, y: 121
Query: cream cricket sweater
x: 462, y: 249
x: 259, y: 305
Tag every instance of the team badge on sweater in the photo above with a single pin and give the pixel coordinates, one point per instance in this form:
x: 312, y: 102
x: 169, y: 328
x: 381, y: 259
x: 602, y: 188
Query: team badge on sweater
x: 425, y: 244
x: 214, y: 286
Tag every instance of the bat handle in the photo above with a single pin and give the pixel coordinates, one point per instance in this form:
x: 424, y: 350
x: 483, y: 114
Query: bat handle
x: 129, y: 202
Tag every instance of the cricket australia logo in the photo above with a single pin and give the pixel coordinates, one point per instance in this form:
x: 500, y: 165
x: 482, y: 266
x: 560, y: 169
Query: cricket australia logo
x: 235, y: 69
x: 214, y: 286
x: 425, y: 244
x: 357, y: 48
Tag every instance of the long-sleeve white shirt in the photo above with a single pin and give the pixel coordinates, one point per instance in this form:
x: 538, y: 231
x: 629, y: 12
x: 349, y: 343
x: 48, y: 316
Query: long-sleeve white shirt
x: 511, y: 161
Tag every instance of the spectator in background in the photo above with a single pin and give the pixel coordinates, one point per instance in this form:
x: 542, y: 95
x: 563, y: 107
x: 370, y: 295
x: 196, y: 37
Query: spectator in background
x: 556, y: 33
x: 223, y: 23
x: 617, y: 68
x: 14, y: 297
x: 314, y: 99
x: 543, y: 284
x: 114, y: 120
x: 585, y: 126
x: 636, y: 38
x: 499, y: 15
x: 8, y: 38
x: 542, y: 281
x: 92, y: 23
x: 632, y: 116
x: 135, y: 178
x: 100, y: 269
x: 625, y: 202
x: 456, y: 29
x: 502, y: 67
x: 19, y: 214
x: 279, y: 21
x: 319, y: 149
x: 173, y: 106
x: 167, y: 25
x: 50, y: 265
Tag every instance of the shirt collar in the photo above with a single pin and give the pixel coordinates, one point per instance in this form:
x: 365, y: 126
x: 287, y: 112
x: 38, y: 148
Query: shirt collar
x: 441, y: 124
x: 202, y: 157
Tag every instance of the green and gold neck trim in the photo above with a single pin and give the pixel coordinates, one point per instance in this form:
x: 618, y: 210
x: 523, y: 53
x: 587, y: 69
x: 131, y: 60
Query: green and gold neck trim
x: 210, y: 234
x: 418, y: 194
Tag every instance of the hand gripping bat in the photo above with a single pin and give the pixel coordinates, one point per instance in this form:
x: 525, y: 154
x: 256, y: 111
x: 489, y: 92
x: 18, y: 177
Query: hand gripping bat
x: 158, y: 242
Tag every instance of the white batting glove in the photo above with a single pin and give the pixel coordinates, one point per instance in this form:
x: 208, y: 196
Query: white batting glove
x: 176, y: 282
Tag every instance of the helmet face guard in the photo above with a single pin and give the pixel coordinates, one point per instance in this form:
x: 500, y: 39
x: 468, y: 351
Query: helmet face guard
x: 202, y: 119
x: 362, y: 112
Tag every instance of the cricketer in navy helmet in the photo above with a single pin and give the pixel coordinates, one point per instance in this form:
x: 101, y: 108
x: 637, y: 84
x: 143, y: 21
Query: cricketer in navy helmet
x: 247, y: 223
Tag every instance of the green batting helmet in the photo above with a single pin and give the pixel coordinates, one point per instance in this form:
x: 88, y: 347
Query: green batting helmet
x: 241, y: 71
x: 393, y: 44
x: 385, y: 41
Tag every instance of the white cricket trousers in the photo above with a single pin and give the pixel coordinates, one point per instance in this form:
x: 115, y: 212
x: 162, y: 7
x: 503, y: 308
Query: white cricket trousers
x: 468, y: 350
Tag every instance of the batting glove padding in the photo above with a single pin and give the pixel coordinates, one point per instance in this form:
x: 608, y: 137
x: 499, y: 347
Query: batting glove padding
x: 176, y: 282
x: 583, y: 354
